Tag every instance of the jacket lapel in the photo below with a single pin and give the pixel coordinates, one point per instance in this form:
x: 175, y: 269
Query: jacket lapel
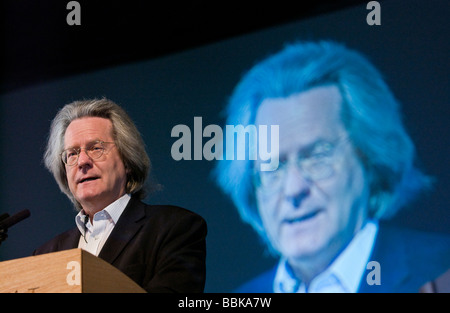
x: 390, y: 252
x: 129, y: 223
x: 70, y: 241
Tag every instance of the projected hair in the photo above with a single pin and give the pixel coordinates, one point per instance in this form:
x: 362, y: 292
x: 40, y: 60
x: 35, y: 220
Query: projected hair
x: 369, y: 112
x: 126, y: 137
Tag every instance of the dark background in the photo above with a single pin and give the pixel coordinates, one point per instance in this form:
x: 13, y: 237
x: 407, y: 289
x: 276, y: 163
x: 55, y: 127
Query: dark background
x: 166, y: 64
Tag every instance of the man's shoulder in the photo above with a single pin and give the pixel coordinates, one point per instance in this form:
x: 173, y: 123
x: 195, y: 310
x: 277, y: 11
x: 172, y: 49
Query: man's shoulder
x: 409, y: 257
x: 59, y: 242
x: 163, y: 216
x: 167, y: 211
x: 414, y: 240
x: 421, y: 249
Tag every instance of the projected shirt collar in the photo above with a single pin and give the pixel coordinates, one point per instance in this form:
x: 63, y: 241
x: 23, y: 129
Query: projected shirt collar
x: 343, y: 275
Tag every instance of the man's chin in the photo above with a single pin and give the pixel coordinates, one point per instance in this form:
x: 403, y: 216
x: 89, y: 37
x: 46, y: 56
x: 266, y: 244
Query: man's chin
x: 88, y: 199
x: 308, y: 247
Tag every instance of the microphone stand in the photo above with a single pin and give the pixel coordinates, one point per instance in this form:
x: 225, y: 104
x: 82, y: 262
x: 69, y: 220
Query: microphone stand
x: 6, y: 221
x: 3, y: 231
x: 3, y: 235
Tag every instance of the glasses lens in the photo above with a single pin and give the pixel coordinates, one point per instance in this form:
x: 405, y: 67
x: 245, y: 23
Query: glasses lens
x: 96, y: 150
x: 320, y: 165
x: 269, y: 179
x: 319, y: 170
x: 70, y: 156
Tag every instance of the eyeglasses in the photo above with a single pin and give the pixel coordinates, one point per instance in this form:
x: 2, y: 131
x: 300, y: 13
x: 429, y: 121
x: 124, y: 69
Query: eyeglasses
x: 319, y: 165
x: 95, y: 150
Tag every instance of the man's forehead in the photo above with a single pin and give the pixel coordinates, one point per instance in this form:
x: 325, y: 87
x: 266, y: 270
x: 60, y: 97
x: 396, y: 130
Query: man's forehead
x: 87, y: 130
x: 305, y: 117
x: 313, y: 102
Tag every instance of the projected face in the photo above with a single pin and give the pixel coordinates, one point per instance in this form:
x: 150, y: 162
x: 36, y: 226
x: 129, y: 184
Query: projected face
x: 316, y: 200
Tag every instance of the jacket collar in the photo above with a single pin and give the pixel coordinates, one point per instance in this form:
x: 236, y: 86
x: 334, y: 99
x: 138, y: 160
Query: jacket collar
x: 129, y: 223
x: 389, y: 252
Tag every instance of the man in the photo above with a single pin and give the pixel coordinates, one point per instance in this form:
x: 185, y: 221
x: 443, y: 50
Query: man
x: 99, y: 161
x: 346, y: 164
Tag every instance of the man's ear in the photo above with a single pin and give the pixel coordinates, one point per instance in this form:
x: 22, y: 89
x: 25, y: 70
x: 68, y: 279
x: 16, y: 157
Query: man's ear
x: 127, y: 168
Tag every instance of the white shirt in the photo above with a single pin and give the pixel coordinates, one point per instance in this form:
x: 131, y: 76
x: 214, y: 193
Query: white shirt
x: 342, y: 276
x: 94, y: 235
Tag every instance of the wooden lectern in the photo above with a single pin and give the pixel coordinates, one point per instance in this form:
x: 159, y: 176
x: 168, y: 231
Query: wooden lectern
x: 69, y: 271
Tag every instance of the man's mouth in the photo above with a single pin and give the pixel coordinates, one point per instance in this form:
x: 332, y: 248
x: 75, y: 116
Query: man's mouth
x: 302, y: 218
x: 83, y: 180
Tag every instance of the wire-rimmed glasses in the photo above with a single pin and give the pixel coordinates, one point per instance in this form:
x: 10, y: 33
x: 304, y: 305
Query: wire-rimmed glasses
x: 318, y: 165
x: 94, y: 150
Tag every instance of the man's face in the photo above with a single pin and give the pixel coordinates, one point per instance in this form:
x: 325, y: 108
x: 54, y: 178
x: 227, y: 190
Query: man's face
x: 307, y: 219
x: 95, y: 183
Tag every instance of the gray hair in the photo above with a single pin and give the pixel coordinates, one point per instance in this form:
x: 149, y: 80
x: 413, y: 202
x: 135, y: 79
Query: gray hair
x: 370, y: 113
x: 126, y: 136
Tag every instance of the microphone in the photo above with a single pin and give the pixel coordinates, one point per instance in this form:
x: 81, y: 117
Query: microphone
x: 4, y: 216
x: 3, y: 234
x: 7, y: 221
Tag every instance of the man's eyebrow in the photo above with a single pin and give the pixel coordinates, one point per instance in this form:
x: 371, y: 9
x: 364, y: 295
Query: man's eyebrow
x: 308, y: 148
x: 88, y: 144
x: 305, y: 150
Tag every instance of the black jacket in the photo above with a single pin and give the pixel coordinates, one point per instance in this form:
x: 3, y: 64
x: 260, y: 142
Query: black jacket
x: 408, y: 259
x: 160, y: 247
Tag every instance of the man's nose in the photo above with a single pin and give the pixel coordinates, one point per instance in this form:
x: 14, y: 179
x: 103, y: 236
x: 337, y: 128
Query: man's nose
x: 297, y: 187
x: 83, y: 158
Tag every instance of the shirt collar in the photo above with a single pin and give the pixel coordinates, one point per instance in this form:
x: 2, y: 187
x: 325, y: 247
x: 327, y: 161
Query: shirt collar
x: 351, y: 264
x: 345, y: 272
x: 113, y: 211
